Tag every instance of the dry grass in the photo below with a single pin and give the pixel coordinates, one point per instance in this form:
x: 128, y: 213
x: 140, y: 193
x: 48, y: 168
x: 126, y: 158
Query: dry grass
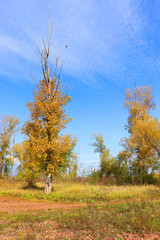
x: 76, y: 192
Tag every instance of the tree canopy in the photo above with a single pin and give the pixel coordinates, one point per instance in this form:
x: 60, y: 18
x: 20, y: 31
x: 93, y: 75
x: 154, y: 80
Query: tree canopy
x: 47, y: 120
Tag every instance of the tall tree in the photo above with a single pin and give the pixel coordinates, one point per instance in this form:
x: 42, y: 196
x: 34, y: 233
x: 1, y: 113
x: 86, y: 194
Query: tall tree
x: 139, y: 103
x: 7, y: 130
x: 48, y: 119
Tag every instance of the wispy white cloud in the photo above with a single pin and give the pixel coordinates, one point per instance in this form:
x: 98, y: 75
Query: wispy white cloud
x: 104, y: 38
x: 18, y: 46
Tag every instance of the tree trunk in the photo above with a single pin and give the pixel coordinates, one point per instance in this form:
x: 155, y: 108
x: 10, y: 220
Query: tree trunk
x: 1, y: 167
x: 48, y: 183
x: 140, y: 174
x: 11, y: 172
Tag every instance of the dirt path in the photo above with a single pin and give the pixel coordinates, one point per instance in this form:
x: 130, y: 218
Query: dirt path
x: 9, y: 205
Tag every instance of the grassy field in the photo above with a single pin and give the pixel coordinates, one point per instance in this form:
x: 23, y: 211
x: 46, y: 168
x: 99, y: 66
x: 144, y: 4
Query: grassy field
x: 76, y: 192
x: 120, y: 221
x: 130, y: 212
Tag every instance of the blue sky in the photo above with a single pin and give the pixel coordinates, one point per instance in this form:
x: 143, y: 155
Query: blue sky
x: 111, y: 45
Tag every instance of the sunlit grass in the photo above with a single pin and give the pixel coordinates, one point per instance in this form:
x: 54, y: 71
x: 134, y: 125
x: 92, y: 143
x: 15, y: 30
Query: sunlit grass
x: 78, y: 192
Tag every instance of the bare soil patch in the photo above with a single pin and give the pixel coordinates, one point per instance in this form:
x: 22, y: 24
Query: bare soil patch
x: 11, y: 205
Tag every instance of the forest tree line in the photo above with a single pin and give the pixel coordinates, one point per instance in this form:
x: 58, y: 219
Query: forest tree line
x: 137, y: 163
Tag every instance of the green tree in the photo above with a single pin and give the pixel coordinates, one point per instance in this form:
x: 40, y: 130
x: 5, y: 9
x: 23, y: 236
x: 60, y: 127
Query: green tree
x: 106, y: 159
x: 28, y: 170
x: 7, y: 130
x: 122, y: 169
x: 71, y: 160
